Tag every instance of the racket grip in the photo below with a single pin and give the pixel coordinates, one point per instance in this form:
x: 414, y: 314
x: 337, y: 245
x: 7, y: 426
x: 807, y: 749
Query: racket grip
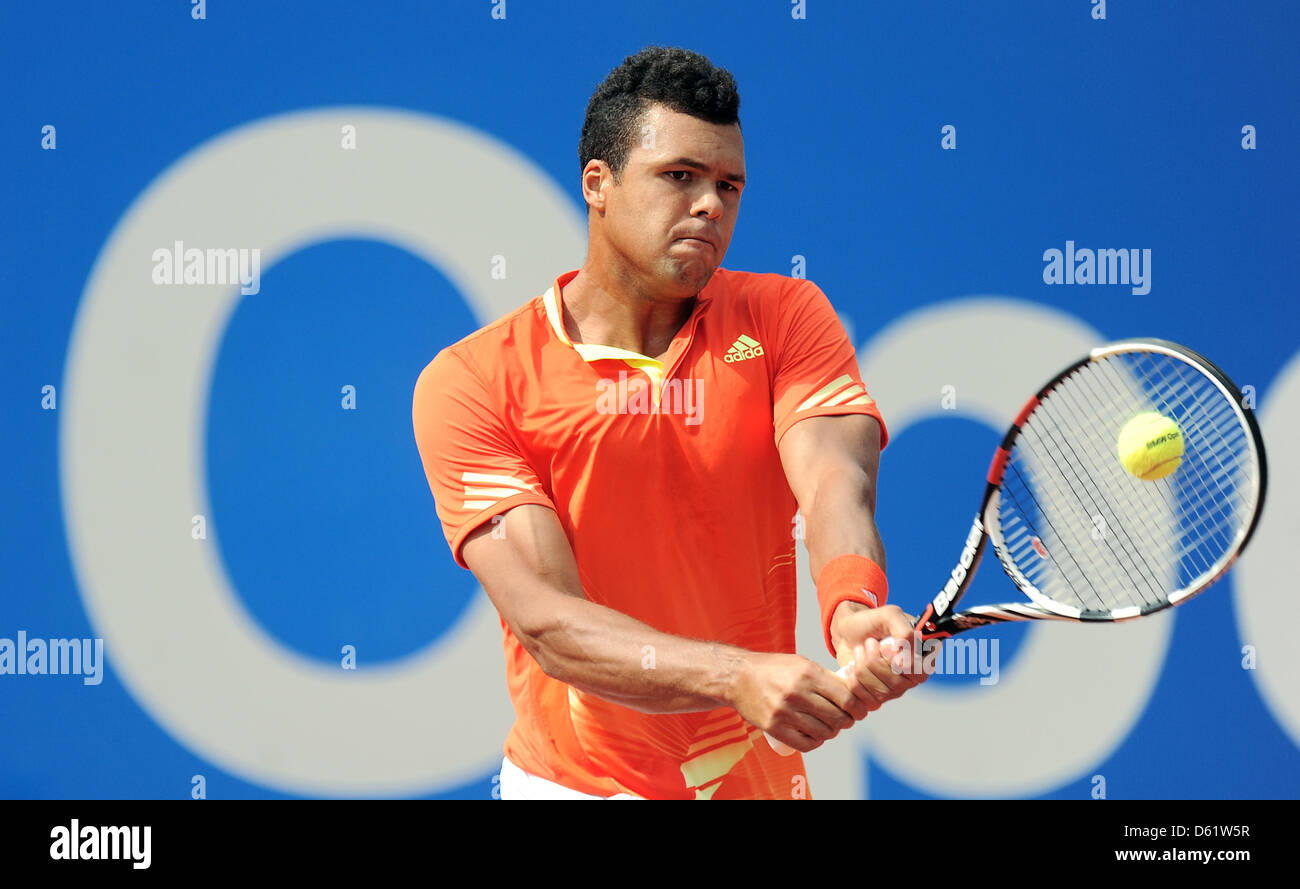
x: 785, y: 749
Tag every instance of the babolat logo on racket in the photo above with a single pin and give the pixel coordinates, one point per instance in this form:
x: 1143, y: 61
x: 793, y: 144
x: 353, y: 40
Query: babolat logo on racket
x: 944, y: 599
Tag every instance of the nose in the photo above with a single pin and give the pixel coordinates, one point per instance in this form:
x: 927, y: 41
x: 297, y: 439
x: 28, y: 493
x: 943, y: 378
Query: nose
x: 709, y: 205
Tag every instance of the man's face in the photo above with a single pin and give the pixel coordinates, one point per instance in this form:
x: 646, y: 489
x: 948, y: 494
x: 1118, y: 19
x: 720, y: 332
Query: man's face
x: 671, y: 216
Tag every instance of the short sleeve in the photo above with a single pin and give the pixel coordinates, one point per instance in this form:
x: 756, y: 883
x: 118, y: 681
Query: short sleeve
x: 472, y: 463
x: 817, y: 368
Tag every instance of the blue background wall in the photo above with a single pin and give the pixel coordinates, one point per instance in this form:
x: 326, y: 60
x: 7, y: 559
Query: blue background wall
x: 1122, y: 132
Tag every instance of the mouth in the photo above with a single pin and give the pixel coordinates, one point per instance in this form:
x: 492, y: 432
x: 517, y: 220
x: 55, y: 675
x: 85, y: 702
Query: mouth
x: 698, y: 243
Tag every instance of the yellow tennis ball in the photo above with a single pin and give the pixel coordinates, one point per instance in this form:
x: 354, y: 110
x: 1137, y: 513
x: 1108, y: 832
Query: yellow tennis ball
x: 1150, y: 446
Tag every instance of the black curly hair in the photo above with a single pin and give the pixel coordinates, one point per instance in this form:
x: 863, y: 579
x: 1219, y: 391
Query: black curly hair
x: 682, y: 80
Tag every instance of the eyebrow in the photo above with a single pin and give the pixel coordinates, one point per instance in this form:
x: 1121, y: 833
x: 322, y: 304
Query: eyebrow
x: 704, y: 168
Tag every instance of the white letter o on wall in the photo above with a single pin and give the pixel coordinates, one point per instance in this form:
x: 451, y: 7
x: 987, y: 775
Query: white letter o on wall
x: 132, y: 455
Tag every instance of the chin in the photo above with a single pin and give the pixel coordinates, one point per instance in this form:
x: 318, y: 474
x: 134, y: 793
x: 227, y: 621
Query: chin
x: 693, y: 276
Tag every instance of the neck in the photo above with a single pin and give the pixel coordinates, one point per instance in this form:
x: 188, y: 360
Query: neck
x: 600, y: 309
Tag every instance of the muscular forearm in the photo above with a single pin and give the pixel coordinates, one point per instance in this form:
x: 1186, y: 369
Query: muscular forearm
x: 529, y: 572
x: 840, y: 520
x: 616, y: 657
x: 531, y: 576
x: 620, y: 659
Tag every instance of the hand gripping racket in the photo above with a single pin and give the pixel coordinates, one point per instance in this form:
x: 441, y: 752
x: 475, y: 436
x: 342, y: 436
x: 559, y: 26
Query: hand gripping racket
x: 1080, y: 536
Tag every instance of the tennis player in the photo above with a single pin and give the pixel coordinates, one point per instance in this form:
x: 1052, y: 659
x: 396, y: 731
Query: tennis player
x: 620, y: 461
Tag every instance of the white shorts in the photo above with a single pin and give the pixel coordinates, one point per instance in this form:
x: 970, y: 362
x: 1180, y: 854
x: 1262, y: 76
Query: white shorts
x: 518, y: 784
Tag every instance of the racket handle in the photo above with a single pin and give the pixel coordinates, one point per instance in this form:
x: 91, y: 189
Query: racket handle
x: 786, y: 749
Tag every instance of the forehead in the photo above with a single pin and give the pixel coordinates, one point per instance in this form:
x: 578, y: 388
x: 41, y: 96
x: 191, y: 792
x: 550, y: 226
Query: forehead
x: 664, y: 133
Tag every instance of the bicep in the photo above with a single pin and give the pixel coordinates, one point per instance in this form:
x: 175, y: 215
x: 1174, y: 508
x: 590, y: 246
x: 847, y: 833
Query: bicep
x: 526, y: 567
x: 839, y: 446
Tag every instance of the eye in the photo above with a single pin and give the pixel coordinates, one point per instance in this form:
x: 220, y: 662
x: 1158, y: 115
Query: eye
x: 675, y: 173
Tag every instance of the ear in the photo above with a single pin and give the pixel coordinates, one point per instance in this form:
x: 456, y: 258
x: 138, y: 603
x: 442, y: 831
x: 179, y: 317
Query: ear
x: 597, y: 180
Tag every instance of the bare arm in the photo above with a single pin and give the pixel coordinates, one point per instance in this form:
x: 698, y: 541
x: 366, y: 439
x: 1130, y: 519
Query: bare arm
x: 531, y: 576
x: 831, y: 464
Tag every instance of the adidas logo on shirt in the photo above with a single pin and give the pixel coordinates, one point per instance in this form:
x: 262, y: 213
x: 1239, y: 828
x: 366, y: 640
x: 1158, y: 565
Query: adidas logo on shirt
x: 743, y: 348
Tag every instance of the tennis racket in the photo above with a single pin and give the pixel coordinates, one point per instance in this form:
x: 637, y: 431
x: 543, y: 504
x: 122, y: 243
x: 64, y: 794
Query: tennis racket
x: 1082, y: 538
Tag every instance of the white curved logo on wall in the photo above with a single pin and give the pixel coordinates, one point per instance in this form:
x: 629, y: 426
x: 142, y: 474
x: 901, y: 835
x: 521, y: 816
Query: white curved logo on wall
x: 132, y: 459
x: 1266, y: 603
x: 1023, y: 735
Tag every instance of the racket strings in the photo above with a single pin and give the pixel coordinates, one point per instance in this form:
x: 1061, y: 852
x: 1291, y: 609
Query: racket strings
x: 1126, y: 518
x: 1163, y: 490
x: 1211, y: 504
x: 1058, y: 415
x: 1075, y: 574
x: 1104, y: 560
x: 1092, y: 537
x: 1209, y: 496
x: 1177, y: 397
x: 1139, y: 529
x: 1213, y: 420
x: 1090, y: 580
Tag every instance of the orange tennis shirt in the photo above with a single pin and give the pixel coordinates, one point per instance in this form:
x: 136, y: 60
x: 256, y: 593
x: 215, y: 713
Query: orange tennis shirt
x: 666, y: 479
